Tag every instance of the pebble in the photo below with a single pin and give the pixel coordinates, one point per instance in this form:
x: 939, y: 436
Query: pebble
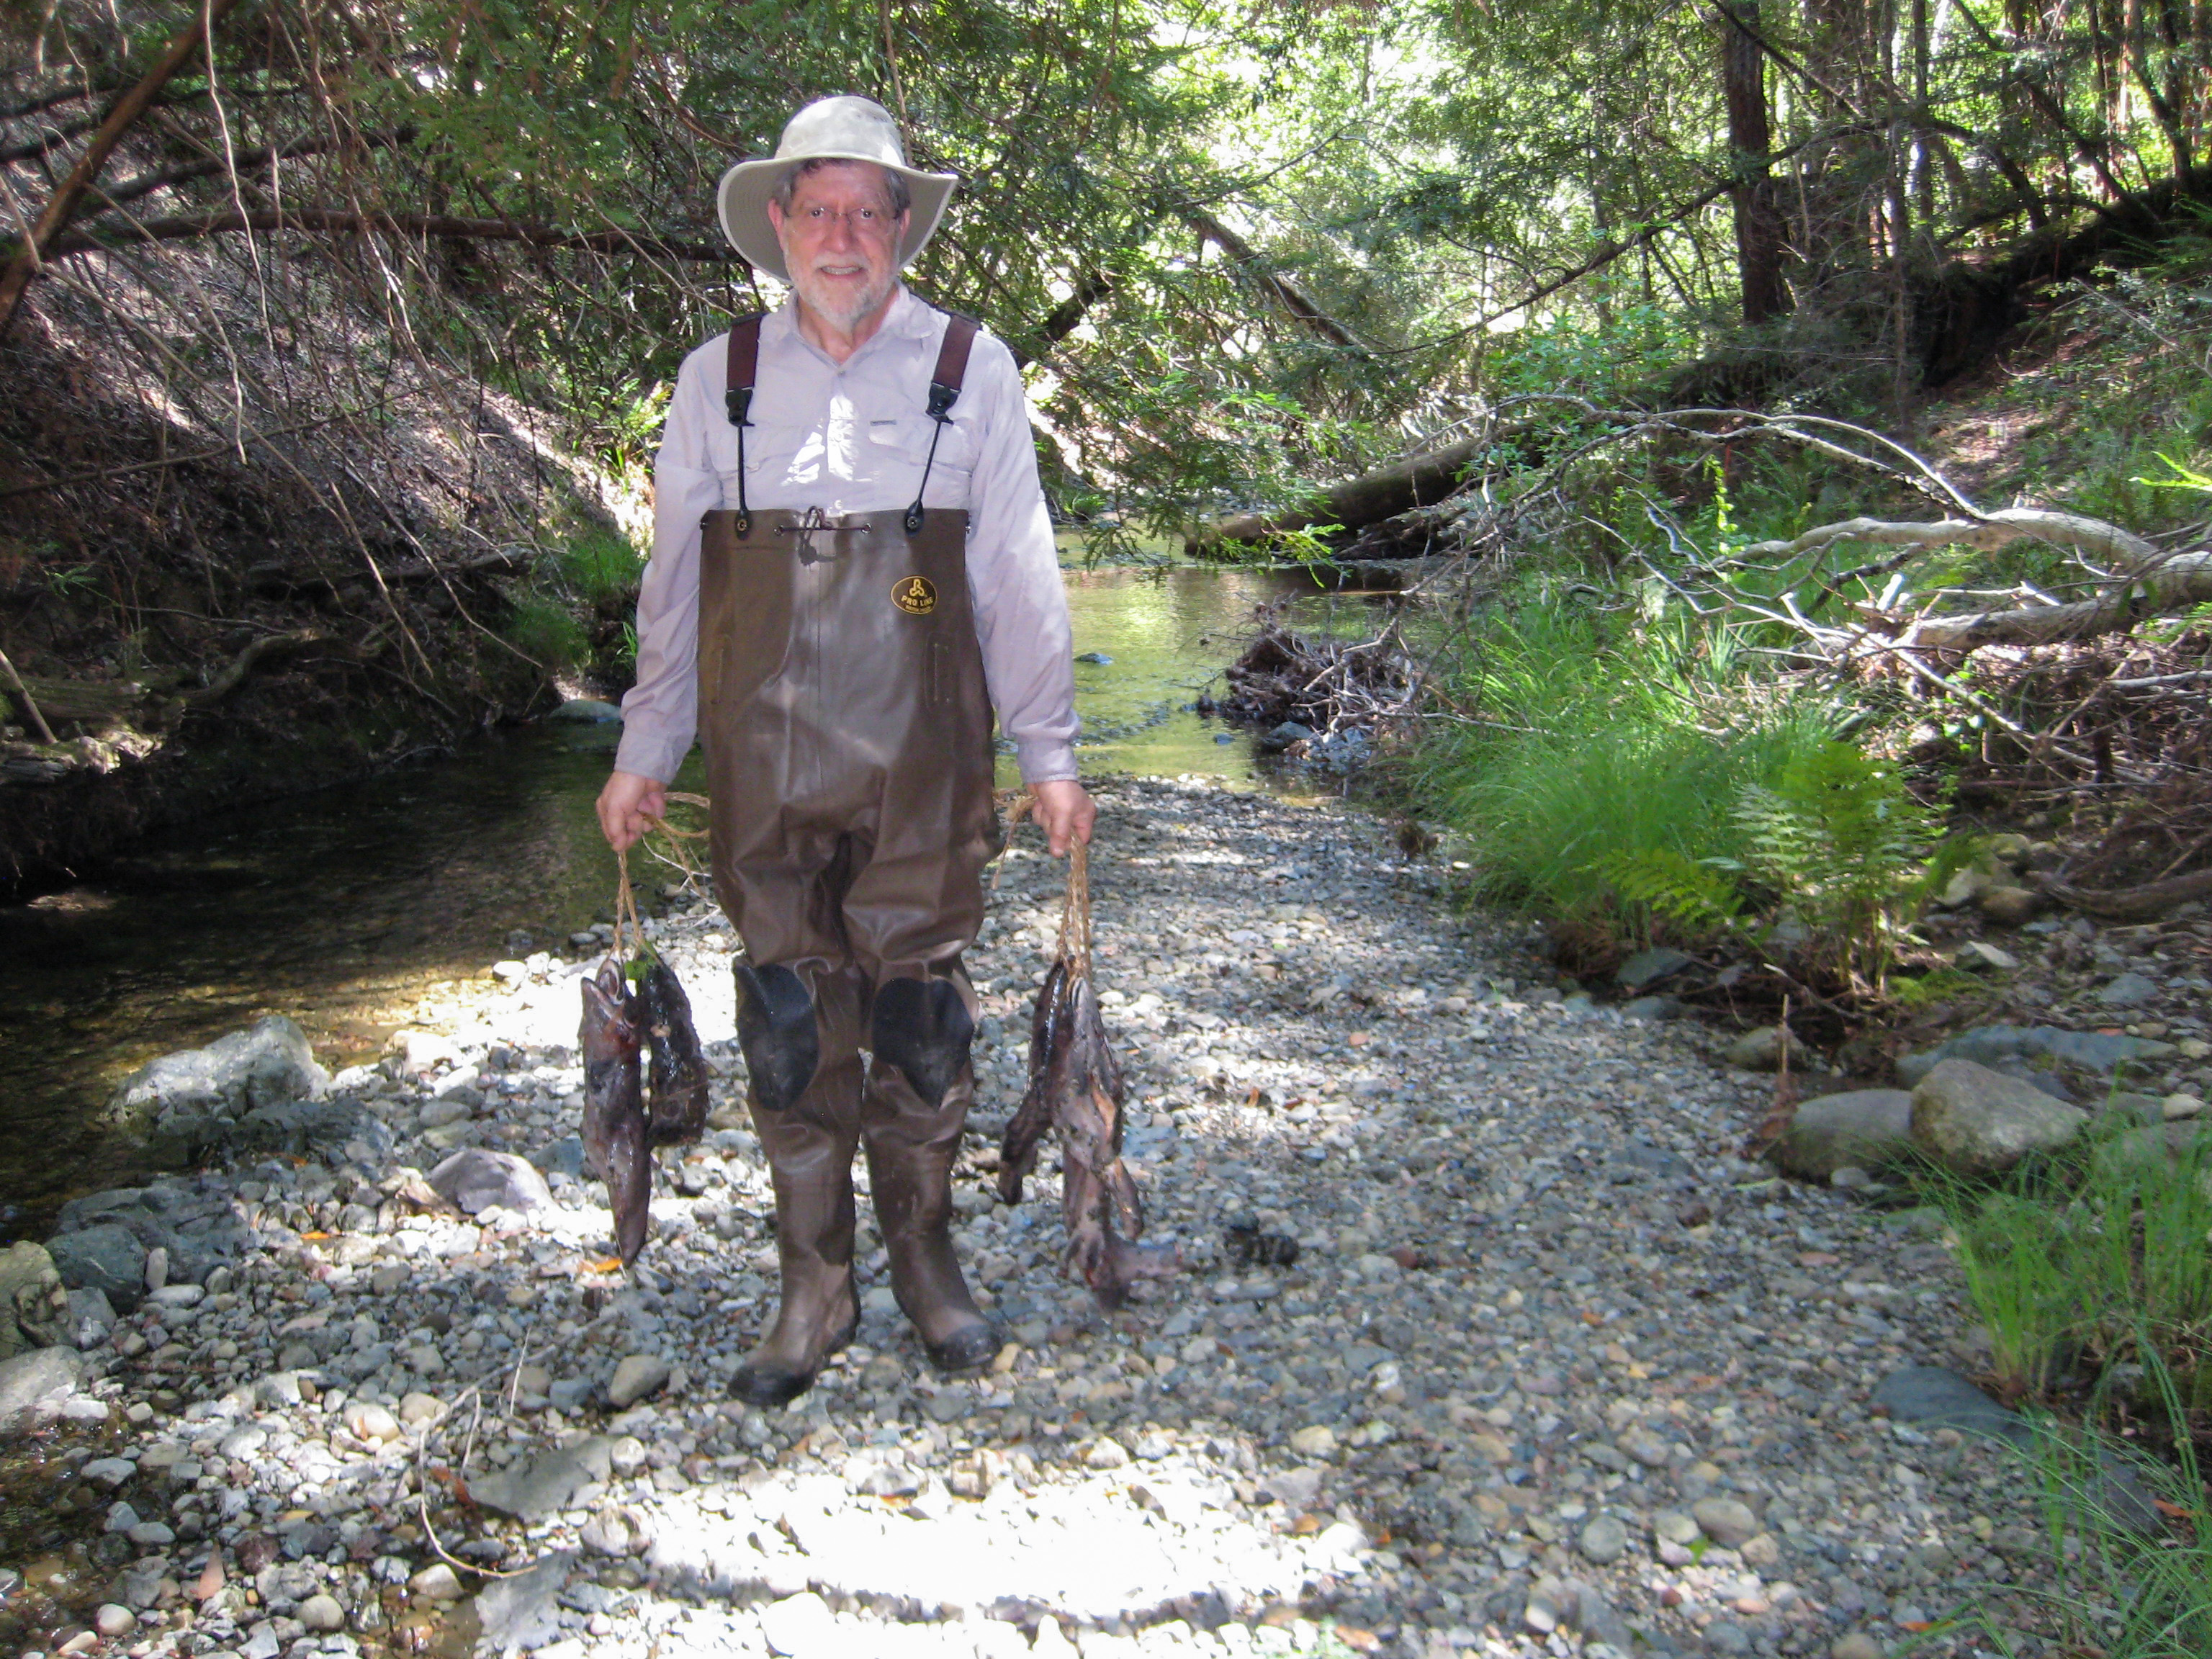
x: 636, y: 1376
x: 367, y: 1420
x: 1856, y: 1645
x: 114, y: 1621
x: 322, y: 1612
x: 1541, y: 1313
x: 1725, y: 1520
x: 1604, y: 1539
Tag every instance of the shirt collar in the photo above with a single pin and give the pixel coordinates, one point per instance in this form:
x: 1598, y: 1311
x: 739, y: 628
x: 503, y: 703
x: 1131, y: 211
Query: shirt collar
x: 910, y: 318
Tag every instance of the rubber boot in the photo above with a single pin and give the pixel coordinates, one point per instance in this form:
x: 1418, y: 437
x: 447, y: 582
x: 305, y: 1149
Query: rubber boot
x: 920, y: 1087
x: 809, y: 1137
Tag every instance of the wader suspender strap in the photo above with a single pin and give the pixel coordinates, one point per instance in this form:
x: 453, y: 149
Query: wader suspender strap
x: 944, y: 391
x: 744, y: 365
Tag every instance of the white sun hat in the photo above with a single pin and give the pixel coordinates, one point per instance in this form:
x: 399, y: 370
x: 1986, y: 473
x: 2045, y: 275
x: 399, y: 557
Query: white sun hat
x: 844, y: 128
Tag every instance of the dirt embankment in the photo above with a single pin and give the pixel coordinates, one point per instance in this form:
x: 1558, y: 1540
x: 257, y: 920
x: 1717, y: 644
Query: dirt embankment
x: 260, y: 556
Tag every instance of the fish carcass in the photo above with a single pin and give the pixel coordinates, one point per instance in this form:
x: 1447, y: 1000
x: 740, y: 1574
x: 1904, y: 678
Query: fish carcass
x: 616, y: 1129
x: 677, y: 1075
x: 1075, y: 1085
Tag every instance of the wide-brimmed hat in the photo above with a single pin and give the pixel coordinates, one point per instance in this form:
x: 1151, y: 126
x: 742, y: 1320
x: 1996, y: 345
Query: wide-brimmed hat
x: 831, y: 129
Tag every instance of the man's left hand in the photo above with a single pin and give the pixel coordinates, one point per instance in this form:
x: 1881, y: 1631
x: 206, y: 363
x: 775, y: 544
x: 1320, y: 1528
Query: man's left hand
x: 1066, y: 812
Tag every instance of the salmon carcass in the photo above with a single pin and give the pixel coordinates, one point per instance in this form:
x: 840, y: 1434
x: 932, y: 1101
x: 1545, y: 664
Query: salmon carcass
x: 1075, y: 1085
x: 615, y: 1126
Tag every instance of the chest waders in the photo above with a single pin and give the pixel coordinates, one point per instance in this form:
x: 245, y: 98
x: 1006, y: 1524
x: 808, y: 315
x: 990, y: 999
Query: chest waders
x: 848, y: 731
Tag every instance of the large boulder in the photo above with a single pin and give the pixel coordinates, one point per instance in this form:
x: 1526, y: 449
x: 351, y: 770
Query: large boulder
x: 33, y: 1302
x: 1863, y: 1128
x: 184, y: 1097
x: 1974, y: 1121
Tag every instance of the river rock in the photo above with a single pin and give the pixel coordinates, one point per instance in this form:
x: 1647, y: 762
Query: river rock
x: 1978, y: 956
x: 337, y: 1130
x: 1758, y: 1051
x: 91, y: 1318
x: 1603, y: 1539
x: 522, y: 1612
x: 476, y: 1179
x: 266, y: 1065
x: 1929, y: 1396
x: 1275, y: 741
x: 1863, y: 1128
x: 33, y: 1302
x: 534, y: 1490
x: 2129, y: 990
x: 1727, y: 1522
x: 107, y: 1258
x: 34, y: 1386
x: 1975, y: 1122
x: 1647, y: 968
x: 586, y: 711
x: 321, y: 1613
x: 635, y: 1378
x: 191, y: 1217
x: 2009, y: 907
x: 800, y: 1625
x: 1993, y: 1045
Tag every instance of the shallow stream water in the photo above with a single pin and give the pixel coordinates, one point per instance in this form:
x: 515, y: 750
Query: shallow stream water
x: 354, y: 909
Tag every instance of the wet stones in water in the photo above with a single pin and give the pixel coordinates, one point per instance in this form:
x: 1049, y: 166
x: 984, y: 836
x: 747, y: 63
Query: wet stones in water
x: 1279, y: 739
x: 1095, y: 658
x: 1249, y: 1247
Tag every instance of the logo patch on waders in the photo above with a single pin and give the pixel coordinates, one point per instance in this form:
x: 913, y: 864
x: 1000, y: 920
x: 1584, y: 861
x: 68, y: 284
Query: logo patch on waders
x: 915, y: 595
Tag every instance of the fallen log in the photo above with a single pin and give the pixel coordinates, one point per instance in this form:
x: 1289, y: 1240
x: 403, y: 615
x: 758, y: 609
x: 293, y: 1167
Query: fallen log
x: 1420, y: 480
x: 2180, y: 582
x: 1985, y: 531
x: 234, y: 674
x: 2143, y: 903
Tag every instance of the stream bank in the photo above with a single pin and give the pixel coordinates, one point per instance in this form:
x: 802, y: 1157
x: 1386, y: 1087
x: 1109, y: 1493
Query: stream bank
x: 1551, y: 1363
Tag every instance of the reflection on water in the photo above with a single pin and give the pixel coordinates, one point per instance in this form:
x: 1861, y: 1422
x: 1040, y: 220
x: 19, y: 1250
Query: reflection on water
x: 353, y: 909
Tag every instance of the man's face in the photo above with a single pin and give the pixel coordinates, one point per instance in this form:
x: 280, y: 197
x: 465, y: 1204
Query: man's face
x: 840, y: 241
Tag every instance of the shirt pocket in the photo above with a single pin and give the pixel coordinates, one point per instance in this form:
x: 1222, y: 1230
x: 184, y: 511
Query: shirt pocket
x: 899, y: 450
x: 777, y: 454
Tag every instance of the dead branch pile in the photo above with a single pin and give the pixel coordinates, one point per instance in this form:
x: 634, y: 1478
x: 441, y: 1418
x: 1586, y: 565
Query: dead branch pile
x: 1331, y: 686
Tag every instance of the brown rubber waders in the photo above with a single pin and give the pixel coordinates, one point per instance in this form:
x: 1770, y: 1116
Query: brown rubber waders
x: 848, y: 731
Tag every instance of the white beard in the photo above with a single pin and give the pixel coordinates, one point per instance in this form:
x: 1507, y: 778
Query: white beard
x: 840, y: 307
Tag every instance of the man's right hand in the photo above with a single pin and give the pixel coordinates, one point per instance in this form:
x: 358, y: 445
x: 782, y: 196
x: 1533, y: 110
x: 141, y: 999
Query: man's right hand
x: 629, y: 799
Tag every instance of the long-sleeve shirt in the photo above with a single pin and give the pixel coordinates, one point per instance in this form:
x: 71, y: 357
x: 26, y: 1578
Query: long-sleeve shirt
x: 851, y: 438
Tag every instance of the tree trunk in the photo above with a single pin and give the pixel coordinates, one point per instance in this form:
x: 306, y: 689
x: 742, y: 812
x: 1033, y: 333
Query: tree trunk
x: 1759, y: 228
x: 1416, y: 481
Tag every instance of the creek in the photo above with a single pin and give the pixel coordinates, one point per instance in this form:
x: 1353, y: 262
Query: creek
x: 356, y: 910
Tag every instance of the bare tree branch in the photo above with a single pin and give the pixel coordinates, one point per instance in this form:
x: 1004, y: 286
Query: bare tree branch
x: 63, y: 204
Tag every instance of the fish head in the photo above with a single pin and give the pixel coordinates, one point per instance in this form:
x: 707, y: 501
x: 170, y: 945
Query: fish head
x: 608, y: 1012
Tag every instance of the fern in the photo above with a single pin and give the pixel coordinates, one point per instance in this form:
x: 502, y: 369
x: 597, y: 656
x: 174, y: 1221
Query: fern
x: 1690, y: 893
x: 1842, y: 840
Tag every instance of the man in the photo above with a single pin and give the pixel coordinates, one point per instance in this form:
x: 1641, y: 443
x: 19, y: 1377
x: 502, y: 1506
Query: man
x: 851, y: 563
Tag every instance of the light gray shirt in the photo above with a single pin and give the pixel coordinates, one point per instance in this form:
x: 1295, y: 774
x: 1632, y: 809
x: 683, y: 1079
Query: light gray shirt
x: 851, y: 438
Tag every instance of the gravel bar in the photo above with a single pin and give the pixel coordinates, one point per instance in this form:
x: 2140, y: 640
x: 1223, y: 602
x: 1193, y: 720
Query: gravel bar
x: 1552, y: 1372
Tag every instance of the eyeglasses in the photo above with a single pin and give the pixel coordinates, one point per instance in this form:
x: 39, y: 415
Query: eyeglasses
x: 860, y: 221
